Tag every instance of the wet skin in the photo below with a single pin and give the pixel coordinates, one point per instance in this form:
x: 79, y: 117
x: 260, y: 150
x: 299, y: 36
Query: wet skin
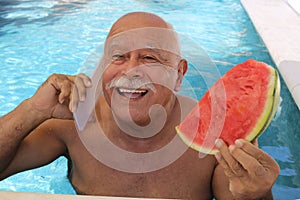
x: 41, y: 129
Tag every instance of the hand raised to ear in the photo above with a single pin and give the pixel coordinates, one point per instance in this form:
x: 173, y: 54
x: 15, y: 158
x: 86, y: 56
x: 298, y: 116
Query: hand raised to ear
x: 60, y: 94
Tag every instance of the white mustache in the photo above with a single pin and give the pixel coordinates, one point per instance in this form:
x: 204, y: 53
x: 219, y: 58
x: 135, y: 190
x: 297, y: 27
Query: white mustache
x: 133, y: 83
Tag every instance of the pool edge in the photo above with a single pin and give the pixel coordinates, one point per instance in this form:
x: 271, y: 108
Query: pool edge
x: 279, y: 26
x: 5, y: 195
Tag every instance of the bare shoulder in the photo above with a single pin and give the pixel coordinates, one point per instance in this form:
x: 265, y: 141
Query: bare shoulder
x: 185, y: 100
x: 41, y: 146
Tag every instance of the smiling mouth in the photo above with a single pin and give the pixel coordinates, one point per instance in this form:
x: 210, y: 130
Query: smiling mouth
x: 132, y: 93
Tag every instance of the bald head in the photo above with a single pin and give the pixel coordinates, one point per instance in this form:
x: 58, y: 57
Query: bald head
x: 137, y: 20
x: 141, y: 30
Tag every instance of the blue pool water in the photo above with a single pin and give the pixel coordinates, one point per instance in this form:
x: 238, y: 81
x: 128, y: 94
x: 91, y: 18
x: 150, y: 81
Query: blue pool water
x: 38, y: 38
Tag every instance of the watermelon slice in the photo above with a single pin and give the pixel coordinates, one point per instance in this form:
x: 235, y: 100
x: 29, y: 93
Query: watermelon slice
x: 241, y: 104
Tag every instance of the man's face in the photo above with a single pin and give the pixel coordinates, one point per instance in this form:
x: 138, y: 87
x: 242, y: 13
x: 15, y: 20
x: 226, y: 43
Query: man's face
x: 138, y: 74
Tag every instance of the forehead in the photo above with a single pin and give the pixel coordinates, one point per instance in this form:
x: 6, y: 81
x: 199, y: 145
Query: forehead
x: 144, y: 38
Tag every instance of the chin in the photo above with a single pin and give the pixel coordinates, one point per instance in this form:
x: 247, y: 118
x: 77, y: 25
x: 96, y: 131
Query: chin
x: 132, y: 117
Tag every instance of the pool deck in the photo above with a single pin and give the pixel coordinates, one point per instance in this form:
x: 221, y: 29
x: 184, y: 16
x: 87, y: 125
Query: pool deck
x: 37, y: 196
x: 278, y: 24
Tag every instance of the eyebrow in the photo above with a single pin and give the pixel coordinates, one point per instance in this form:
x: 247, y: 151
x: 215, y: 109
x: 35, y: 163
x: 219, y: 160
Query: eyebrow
x: 111, y: 48
x: 150, y: 47
x: 159, y: 52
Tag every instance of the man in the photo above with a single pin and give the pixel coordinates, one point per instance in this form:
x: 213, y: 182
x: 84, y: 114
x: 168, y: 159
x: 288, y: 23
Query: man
x: 41, y: 128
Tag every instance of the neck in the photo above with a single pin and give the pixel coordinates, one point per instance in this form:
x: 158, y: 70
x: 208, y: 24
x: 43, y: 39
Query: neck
x: 150, y: 141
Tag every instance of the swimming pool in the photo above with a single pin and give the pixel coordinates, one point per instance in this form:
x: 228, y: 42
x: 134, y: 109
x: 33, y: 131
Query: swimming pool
x: 38, y: 38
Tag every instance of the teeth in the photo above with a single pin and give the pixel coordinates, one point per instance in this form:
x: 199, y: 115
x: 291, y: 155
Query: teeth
x: 131, y: 91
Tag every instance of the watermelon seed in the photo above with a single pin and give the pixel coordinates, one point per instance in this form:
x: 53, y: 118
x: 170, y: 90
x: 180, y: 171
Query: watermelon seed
x: 249, y: 87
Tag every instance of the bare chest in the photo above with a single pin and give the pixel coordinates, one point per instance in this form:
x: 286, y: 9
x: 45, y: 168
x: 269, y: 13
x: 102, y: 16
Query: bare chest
x: 187, y: 178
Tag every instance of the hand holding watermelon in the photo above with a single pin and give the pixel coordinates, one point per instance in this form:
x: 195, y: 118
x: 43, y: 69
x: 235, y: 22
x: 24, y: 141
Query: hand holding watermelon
x: 236, y: 110
x: 251, y: 172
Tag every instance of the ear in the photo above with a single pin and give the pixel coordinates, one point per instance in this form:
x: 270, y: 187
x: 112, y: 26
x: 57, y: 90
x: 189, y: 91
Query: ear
x: 182, y: 68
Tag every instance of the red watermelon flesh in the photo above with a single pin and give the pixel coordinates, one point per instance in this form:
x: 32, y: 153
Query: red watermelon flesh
x: 241, y: 104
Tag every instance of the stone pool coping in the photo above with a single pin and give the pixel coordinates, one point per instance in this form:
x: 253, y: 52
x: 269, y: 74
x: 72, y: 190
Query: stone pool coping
x: 278, y: 24
x: 4, y: 195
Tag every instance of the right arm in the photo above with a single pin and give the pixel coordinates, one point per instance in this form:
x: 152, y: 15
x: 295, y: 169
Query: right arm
x: 14, y: 127
x: 26, y: 135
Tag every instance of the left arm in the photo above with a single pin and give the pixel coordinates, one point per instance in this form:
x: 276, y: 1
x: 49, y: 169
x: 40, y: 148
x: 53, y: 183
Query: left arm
x: 244, y: 171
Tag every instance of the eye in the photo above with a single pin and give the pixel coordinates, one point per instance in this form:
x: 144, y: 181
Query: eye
x: 117, y: 58
x: 150, y: 58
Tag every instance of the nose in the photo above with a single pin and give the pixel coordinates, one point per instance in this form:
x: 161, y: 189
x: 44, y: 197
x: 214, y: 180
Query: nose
x: 133, y: 68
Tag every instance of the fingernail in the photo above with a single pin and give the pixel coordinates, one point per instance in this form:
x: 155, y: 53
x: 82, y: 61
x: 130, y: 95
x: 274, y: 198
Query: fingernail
x: 218, y: 143
x: 239, y: 143
x: 82, y: 98
x: 218, y: 156
x: 231, y: 148
x: 62, y: 101
x: 88, y: 83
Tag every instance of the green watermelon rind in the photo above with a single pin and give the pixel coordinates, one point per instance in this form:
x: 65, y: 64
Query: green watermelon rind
x: 194, y: 145
x: 275, y: 103
x: 273, y: 97
x: 270, y: 107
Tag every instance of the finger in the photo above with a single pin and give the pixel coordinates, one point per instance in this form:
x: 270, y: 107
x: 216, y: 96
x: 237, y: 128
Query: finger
x: 86, y: 80
x: 74, y: 100
x: 251, y: 149
x: 81, y: 88
x: 262, y: 157
x: 65, y: 90
x: 228, y: 172
x: 248, y: 162
x: 71, y: 77
x: 235, y: 167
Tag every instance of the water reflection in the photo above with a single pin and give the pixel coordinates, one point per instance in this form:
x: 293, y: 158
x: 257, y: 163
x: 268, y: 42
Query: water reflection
x: 19, y: 12
x: 281, y: 140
